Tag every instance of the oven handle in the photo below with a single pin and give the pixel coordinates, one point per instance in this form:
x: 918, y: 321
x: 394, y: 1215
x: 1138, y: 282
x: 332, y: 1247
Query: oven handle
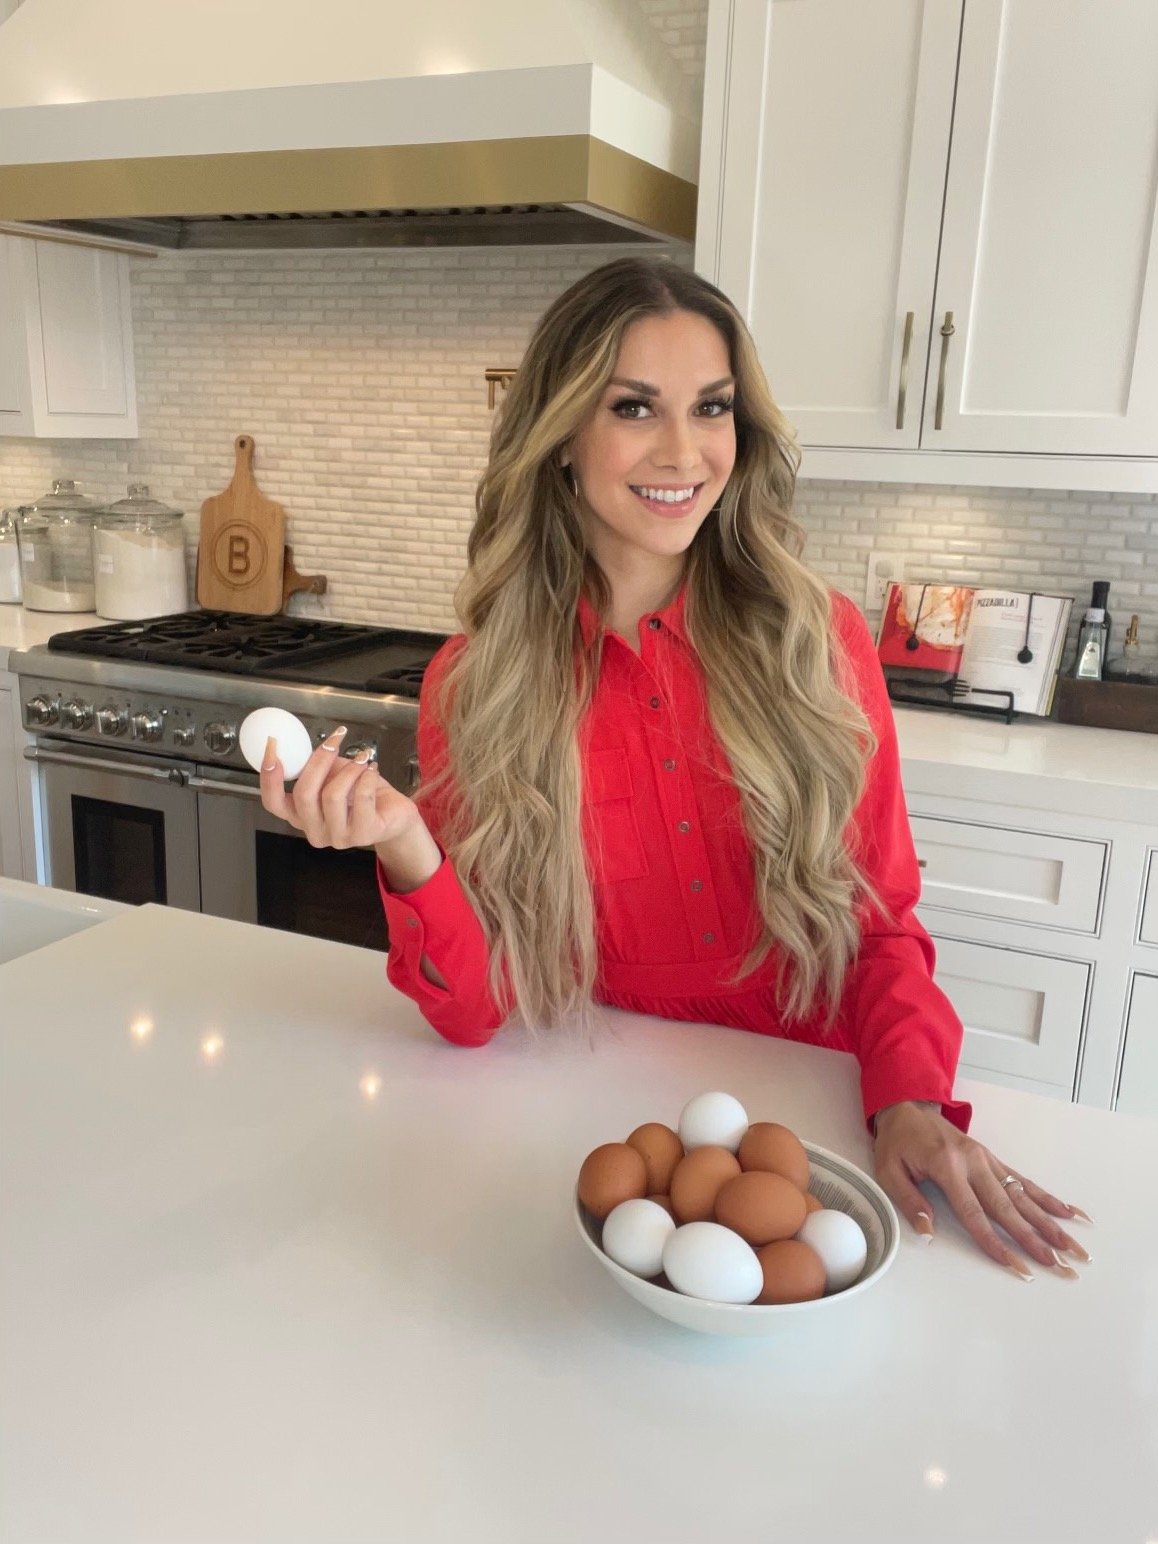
x: 220, y: 786
x: 107, y: 764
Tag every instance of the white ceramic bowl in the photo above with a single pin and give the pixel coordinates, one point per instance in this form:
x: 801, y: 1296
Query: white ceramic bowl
x: 834, y: 1181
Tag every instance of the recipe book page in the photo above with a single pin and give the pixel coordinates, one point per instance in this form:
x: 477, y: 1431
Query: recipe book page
x: 996, y: 635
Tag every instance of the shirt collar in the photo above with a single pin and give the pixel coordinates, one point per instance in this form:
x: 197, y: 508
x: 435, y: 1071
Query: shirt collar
x: 671, y: 617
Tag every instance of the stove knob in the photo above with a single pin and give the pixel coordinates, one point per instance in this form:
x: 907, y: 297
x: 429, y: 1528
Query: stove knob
x: 76, y: 715
x: 184, y: 734
x: 146, y: 725
x: 41, y: 710
x: 220, y: 738
x: 112, y: 720
x: 361, y: 745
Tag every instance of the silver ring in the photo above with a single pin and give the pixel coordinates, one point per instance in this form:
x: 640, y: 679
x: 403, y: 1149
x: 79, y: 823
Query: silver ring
x: 1010, y: 1179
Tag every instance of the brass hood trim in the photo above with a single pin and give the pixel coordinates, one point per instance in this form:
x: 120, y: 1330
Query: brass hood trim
x: 570, y: 169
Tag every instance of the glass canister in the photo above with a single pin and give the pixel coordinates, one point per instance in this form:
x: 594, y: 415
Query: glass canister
x: 55, y: 537
x: 139, y: 547
x: 9, y: 558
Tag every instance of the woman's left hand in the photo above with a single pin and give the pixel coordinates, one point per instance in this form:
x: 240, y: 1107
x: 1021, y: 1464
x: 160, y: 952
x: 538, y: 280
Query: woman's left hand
x: 915, y: 1142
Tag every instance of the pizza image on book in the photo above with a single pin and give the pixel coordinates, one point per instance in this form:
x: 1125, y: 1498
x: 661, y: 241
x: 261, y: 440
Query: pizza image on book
x: 923, y: 631
x: 955, y: 645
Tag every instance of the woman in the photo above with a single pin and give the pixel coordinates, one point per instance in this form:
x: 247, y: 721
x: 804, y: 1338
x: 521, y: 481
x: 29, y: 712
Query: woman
x: 659, y: 768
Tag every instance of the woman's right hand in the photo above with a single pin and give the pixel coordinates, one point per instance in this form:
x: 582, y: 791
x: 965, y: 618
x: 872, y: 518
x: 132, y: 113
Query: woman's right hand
x: 342, y: 802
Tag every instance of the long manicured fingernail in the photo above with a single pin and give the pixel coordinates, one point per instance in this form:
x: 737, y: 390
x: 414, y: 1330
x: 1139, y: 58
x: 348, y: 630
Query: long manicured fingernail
x: 1076, y: 1211
x: 334, y: 738
x: 924, y: 1226
x: 1063, y: 1267
x: 269, y: 760
x: 1018, y: 1270
x: 361, y: 757
x: 1078, y: 1252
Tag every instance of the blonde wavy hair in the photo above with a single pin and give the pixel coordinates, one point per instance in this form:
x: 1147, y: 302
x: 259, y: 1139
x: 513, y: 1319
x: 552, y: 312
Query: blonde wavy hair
x: 514, y: 698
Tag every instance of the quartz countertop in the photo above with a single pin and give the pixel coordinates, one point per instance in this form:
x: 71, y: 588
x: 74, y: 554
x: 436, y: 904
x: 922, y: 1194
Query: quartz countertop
x: 277, y: 1260
x: 21, y: 629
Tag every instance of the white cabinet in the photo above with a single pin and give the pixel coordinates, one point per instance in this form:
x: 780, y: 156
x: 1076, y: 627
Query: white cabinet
x: 1148, y: 926
x: 941, y: 225
x: 1023, y: 1012
x: 66, y: 342
x: 11, y: 856
x: 1138, y: 1088
x: 1002, y: 871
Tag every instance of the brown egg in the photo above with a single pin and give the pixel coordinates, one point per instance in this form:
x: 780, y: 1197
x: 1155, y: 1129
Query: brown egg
x: 793, y: 1273
x: 612, y: 1173
x: 661, y: 1150
x: 777, y: 1150
x: 812, y: 1203
x: 664, y: 1201
x: 761, y: 1207
x: 696, y: 1181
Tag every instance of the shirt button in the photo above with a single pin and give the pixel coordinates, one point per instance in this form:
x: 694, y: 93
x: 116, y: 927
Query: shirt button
x: 697, y: 884
x: 654, y: 624
x: 669, y: 765
x: 655, y: 702
x: 708, y: 938
x: 684, y: 825
x: 412, y: 922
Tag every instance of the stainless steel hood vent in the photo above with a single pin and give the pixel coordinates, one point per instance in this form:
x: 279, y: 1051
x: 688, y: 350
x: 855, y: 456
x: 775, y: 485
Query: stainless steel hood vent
x: 499, y: 225
x: 198, y: 123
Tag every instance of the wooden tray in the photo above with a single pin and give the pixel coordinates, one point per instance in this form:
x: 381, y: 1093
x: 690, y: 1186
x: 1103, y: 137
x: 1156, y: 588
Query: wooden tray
x: 1107, y: 704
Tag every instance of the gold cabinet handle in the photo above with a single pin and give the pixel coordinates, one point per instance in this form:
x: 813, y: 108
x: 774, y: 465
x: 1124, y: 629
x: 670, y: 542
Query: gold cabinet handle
x: 947, y: 331
x: 905, y: 346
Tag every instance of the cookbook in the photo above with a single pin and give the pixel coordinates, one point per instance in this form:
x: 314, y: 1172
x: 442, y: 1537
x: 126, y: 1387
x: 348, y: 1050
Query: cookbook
x: 971, y: 645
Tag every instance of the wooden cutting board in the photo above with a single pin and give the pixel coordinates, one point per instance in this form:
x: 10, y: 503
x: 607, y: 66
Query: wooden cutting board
x: 241, y: 552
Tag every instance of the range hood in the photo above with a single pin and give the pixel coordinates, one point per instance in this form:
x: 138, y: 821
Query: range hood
x: 259, y: 123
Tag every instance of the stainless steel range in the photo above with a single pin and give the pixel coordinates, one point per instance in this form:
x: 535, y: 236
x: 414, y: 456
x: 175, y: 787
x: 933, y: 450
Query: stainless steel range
x: 143, y: 794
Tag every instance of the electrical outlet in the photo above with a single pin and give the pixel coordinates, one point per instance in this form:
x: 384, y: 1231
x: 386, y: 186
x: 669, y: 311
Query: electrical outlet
x: 883, y: 568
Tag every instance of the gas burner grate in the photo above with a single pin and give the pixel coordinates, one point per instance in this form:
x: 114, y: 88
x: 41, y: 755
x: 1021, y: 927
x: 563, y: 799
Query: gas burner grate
x: 224, y: 641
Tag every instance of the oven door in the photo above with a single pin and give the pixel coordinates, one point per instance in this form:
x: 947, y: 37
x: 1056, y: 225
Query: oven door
x: 118, y: 826
x: 255, y: 868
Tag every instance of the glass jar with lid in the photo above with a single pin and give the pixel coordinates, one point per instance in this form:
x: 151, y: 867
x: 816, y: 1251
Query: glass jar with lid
x: 55, y: 537
x: 139, y: 546
x: 9, y: 558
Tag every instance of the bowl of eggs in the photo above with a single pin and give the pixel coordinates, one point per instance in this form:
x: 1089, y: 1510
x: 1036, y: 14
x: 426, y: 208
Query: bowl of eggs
x: 733, y: 1227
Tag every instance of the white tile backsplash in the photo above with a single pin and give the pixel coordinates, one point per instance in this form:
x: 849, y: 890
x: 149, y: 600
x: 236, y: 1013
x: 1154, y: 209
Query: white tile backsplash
x: 360, y: 374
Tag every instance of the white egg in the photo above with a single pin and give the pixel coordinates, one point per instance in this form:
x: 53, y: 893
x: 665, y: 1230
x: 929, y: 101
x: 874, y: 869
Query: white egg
x: 703, y: 1259
x: 712, y: 1120
x: 294, y: 746
x: 840, y: 1243
x: 634, y: 1233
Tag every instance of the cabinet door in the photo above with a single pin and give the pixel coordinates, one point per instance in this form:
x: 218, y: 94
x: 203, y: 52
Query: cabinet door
x: 821, y: 181
x: 1019, y: 876
x: 1022, y: 1012
x: 11, y: 864
x: 1138, y: 1087
x: 83, y: 366
x: 15, y: 402
x: 1049, y: 254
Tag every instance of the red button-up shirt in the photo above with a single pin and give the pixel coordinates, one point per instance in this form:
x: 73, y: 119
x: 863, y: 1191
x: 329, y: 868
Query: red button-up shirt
x: 673, y: 875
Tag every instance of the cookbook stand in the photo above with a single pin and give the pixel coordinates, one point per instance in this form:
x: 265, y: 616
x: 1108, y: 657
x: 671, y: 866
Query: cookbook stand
x: 947, y: 697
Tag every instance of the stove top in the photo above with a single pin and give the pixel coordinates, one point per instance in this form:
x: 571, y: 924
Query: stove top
x: 304, y: 650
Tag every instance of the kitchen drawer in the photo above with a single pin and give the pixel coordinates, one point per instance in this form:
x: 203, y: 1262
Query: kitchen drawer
x: 1022, y: 1012
x: 1018, y: 876
x: 1138, y: 1084
x: 1148, y: 930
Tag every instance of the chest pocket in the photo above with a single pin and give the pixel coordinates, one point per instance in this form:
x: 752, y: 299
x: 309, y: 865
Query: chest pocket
x: 614, y: 845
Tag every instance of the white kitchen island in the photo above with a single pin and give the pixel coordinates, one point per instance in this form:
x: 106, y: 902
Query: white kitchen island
x: 277, y: 1264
